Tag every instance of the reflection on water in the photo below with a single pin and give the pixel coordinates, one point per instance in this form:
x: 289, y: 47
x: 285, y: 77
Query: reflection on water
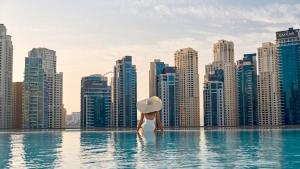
x: 41, y: 149
x: 5, y: 150
x: 223, y: 148
x: 17, y: 146
x: 96, y: 149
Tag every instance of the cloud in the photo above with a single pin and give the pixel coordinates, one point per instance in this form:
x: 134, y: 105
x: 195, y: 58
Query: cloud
x: 235, y: 15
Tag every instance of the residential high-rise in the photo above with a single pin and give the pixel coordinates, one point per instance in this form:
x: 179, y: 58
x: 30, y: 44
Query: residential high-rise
x: 156, y: 69
x: 167, y: 91
x: 6, y: 71
x: 247, y: 90
x: 56, y: 113
x: 125, y: 94
x: 95, y: 102
x: 186, y: 63
x: 35, y: 101
x: 224, y: 59
x: 43, y: 90
x: 73, y: 120
x: 17, y: 104
x: 213, y: 98
x: 267, y: 86
x: 288, y: 50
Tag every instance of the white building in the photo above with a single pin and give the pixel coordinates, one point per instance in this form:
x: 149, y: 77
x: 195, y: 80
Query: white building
x: 186, y: 63
x: 268, y: 88
x: 6, y: 70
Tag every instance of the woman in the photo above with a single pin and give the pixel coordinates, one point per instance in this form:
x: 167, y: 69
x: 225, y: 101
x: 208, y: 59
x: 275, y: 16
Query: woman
x: 150, y: 117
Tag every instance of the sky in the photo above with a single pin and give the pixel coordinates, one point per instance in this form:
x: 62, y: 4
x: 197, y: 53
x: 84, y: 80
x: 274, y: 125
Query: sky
x: 90, y: 35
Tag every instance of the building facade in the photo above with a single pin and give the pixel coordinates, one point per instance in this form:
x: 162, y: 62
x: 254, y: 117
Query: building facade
x: 156, y: 68
x: 17, y: 104
x: 268, y: 89
x: 73, y: 120
x: 167, y: 91
x: 95, y: 102
x: 186, y: 63
x: 6, y: 86
x: 213, y: 99
x: 35, y: 101
x: 43, y: 90
x: 224, y: 59
x: 247, y: 90
x: 124, y: 94
x: 288, y: 50
x: 64, y: 118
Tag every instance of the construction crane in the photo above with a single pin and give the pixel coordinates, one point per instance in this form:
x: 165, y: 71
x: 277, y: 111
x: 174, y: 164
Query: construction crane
x: 107, y: 73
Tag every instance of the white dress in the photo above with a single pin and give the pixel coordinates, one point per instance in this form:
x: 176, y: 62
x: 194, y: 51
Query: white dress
x: 149, y: 125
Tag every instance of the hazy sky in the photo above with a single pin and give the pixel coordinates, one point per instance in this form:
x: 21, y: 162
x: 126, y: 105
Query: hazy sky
x: 90, y: 35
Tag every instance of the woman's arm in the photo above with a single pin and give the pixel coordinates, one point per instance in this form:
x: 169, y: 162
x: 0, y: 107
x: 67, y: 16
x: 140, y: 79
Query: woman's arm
x: 140, y: 122
x: 158, y: 121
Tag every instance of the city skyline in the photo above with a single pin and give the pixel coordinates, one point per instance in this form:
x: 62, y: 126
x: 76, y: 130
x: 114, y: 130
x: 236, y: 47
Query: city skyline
x: 171, y: 26
x: 43, y: 87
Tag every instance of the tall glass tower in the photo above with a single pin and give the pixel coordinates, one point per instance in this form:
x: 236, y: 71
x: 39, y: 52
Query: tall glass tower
x: 156, y: 68
x: 35, y: 103
x: 124, y: 94
x: 95, y: 102
x: 167, y: 91
x: 213, y: 98
x: 288, y: 50
x: 247, y: 90
x: 43, y: 90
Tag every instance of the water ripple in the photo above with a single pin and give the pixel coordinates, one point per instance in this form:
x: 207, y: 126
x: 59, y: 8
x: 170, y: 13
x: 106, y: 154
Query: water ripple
x: 172, y: 149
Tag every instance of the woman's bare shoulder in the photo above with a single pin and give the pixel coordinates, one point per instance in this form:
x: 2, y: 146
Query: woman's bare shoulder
x: 150, y: 116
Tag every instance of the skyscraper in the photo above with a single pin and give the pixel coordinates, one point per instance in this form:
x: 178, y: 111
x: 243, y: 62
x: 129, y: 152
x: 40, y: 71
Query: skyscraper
x: 17, y: 104
x: 56, y: 113
x: 167, y: 91
x: 247, y: 90
x: 288, y: 50
x: 35, y: 101
x: 213, y: 98
x: 125, y: 94
x: 95, y: 102
x: 186, y: 63
x: 43, y: 90
x: 6, y: 71
x: 224, y: 59
x: 268, y: 90
x: 156, y: 69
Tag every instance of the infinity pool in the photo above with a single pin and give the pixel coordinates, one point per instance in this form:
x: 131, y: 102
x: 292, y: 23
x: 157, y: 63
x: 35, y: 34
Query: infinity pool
x: 224, y: 148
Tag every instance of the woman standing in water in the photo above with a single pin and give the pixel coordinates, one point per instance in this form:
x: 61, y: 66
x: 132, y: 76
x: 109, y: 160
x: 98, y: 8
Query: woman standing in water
x: 150, y: 117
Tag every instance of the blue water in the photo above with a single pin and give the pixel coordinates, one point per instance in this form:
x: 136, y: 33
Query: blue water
x: 223, y: 148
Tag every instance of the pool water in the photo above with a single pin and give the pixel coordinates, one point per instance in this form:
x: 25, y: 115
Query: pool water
x: 222, y: 148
